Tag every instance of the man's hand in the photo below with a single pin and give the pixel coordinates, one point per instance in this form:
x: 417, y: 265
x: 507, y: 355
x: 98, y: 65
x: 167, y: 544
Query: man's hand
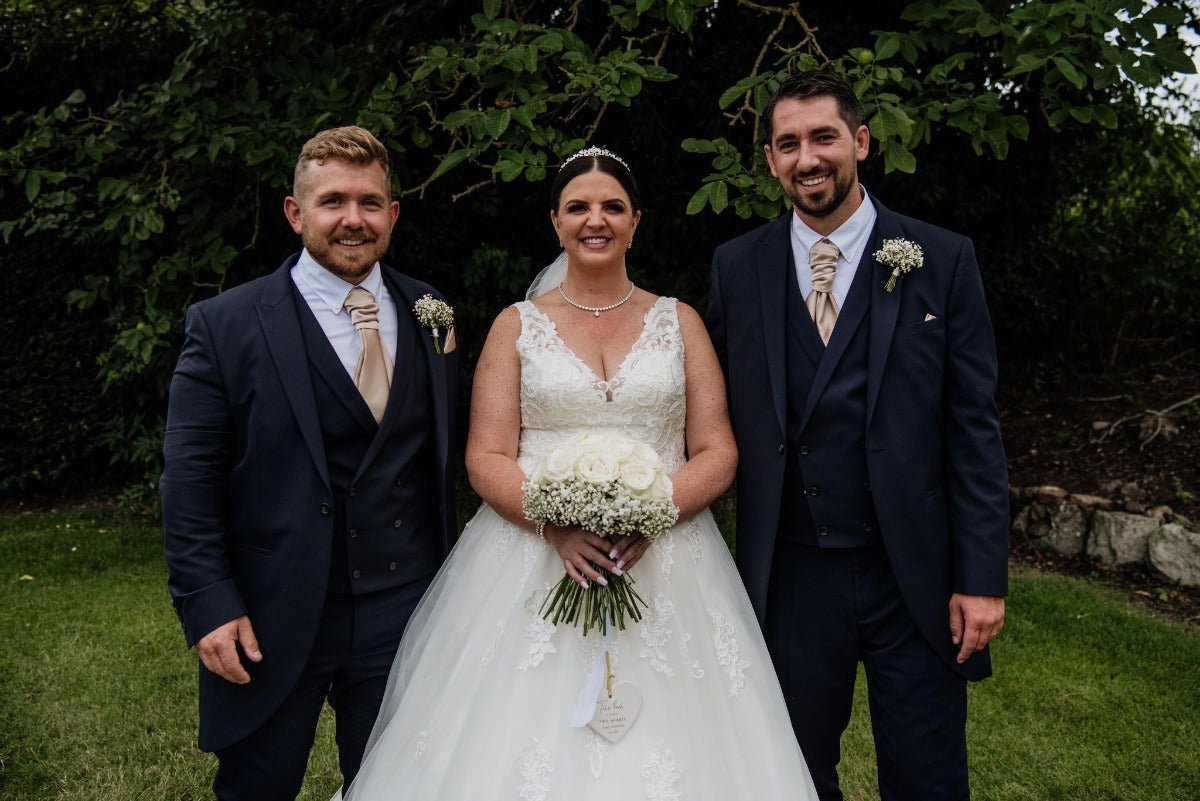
x: 974, y: 621
x: 218, y: 649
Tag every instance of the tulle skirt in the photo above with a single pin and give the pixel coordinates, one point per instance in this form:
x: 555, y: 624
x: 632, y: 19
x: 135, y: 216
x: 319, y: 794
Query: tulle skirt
x: 480, y: 697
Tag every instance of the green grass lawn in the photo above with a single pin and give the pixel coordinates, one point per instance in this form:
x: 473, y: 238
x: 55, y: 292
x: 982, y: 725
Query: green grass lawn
x: 1094, y: 698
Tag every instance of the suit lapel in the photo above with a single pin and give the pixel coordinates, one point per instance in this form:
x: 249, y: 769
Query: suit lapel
x: 885, y: 306
x: 280, y: 323
x: 774, y: 259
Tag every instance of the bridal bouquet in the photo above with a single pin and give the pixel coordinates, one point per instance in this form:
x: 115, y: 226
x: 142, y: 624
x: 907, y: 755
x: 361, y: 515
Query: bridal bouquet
x: 610, y: 485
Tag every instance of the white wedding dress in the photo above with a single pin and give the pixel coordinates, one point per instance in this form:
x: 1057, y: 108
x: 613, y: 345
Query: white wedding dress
x: 479, y: 698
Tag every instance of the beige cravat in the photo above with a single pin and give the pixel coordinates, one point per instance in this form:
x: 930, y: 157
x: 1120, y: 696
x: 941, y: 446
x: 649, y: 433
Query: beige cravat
x: 821, y: 305
x: 373, y: 375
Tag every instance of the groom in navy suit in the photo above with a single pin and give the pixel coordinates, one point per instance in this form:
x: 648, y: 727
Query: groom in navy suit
x: 308, y: 490
x: 872, y: 514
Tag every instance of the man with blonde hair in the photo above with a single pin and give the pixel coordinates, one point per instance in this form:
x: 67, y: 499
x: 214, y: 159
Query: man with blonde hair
x: 309, y: 473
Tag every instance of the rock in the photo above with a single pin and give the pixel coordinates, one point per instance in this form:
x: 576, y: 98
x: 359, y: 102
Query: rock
x: 1118, y: 539
x: 1090, y: 502
x: 1175, y: 552
x: 1049, y: 493
x: 1111, y: 487
x: 1058, y: 526
x: 1161, y: 513
x: 1100, y: 425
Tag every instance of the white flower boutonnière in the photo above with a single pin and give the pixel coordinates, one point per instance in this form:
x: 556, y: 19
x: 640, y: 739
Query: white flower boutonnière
x: 902, y: 255
x: 435, y: 315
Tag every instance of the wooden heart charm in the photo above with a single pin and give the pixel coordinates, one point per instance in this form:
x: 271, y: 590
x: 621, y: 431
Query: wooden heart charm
x: 615, y: 714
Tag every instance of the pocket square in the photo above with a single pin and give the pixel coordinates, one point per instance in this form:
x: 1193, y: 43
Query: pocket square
x: 451, y: 344
x: 929, y: 317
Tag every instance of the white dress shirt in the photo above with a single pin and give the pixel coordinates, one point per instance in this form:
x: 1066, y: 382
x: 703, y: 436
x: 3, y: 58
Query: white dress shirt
x: 851, y: 238
x: 325, y: 293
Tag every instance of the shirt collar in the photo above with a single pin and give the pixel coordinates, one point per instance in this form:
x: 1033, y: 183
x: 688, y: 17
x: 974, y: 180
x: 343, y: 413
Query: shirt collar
x: 850, y: 237
x: 333, y: 290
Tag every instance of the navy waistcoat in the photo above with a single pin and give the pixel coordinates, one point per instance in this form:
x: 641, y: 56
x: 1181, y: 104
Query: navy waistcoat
x: 827, y: 494
x: 385, y: 511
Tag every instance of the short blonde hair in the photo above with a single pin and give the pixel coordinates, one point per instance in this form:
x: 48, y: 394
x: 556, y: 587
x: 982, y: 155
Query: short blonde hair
x: 348, y: 143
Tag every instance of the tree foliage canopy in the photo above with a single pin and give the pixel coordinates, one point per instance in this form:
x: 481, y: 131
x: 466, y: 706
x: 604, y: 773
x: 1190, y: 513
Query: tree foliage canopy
x: 148, y: 145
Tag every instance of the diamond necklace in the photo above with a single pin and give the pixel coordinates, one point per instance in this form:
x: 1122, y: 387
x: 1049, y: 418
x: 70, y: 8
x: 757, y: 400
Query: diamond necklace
x: 595, y: 310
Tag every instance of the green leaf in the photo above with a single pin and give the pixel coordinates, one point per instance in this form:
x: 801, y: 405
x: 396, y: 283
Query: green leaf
x: 886, y: 46
x: 75, y: 98
x: 1144, y: 72
x: 897, y: 157
x: 1173, y: 58
x: 1069, y: 72
x: 496, y: 122
x: 459, y: 118
x: 1018, y: 127
x: 452, y: 160
x: 491, y: 8
x: 720, y: 197
x: 1106, y: 116
x: 698, y: 201
x: 698, y: 146
x: 1081, y: 113
x: 631, y: 85
x: 33, y: 185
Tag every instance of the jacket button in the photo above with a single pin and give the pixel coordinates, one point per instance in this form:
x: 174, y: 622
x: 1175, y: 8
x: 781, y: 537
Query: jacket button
x: 866, y: 526
x: 804, y: 450
x: 356, y: 574
x: 391, y: 565
x: 399, y: 481
x: 814, y: 490
x: 396, y: 523
x: 352, y: 492
x: 823, y: 531
x: 326, y: 510
x: 867, y: 486
x: 353, y: 533
x: 781, y: 449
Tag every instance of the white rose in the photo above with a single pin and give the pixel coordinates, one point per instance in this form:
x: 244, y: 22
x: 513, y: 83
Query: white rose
x: 598, y: 468
x: 662, y: 487
x: 560, y: 462
x: 638, y: 475
x: 645, y: 453
x: 621, y: 448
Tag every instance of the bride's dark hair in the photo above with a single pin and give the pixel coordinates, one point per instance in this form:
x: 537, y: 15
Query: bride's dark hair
x: 605, y: 162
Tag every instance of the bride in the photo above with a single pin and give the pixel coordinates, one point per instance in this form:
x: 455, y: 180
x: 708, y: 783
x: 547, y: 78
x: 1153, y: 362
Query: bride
x: 486, y: 699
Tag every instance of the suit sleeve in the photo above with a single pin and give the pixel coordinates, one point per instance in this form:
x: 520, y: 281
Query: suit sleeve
x: 197, y: 449
x: 714, y: 315
x: 976, y: 471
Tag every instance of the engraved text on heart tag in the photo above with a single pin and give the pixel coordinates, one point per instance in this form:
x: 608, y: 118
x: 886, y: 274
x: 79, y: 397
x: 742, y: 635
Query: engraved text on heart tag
x: 614, y: 716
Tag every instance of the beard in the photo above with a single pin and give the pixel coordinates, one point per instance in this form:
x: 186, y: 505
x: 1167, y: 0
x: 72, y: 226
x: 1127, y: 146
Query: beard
x: 350, y: 267
x: 822, y: 206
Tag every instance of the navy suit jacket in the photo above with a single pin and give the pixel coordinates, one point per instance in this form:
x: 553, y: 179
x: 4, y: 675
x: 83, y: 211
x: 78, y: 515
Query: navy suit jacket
x: 936, y: 462
x: 246, y: 493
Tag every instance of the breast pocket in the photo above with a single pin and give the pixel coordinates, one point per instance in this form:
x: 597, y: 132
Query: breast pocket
x: 920, y: 328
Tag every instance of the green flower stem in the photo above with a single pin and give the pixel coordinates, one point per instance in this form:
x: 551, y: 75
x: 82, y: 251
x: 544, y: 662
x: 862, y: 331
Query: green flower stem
x: 597, y: 606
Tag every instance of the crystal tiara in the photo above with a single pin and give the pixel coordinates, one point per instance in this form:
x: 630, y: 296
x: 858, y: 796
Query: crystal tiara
x: 588, y: 152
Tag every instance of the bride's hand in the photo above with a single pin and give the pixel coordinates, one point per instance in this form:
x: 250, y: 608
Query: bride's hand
x: 628, y: 550
x: 581, y: 551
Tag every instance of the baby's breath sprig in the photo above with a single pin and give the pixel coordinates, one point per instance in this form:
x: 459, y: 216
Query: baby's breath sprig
x: 902, y: 255
x: 435, y: 315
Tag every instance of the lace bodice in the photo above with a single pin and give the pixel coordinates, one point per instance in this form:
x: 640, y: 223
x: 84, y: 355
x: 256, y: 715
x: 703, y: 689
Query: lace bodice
x: 562, y: 396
